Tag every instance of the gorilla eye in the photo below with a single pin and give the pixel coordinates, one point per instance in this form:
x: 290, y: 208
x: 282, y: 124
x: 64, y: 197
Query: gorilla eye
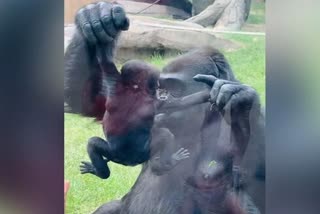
x: 175, y: 87
x: 162, y: 94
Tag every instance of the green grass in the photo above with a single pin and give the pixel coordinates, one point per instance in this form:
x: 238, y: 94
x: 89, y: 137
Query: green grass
x: 257, y: 13
x: 158, y: 61
x: 87, y: 192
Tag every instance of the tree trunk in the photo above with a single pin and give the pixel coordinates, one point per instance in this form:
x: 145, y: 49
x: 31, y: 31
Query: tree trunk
x: 224, y: 14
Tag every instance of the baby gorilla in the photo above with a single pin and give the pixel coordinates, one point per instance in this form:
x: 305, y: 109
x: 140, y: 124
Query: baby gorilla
x: 128, y: 123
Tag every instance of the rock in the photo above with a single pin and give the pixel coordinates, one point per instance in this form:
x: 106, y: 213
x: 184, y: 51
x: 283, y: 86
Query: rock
x: 148, y: 36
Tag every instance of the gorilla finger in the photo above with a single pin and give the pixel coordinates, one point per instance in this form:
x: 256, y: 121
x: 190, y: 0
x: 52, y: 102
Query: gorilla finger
x: 106, y: 20
x: 97, y: 27
x: 225, y: 93
x: 231, y: 108
x: 83, y: 165
x: 86, y: 163
x: 186, y: 155
x: 180, y: 150
x: 88, y: 33
x: 82, y: 168
x: 250, y: 93
x: 83, y: 24
x: 119, y: 17
x: 81, y: 17
x: 227, y: 112
x: 185, y: 151
x: 208, y: 79
x: 215, y: 90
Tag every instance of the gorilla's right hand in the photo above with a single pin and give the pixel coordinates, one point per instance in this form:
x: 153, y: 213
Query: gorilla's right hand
x: 102, y: 22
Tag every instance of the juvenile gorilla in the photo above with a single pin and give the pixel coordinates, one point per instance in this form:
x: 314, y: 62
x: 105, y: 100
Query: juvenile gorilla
x: 226, y: 169
x: 131, y: 104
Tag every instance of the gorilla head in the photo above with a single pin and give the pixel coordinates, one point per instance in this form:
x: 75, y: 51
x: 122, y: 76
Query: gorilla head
x: 177, y: 80
x: 177, y: 76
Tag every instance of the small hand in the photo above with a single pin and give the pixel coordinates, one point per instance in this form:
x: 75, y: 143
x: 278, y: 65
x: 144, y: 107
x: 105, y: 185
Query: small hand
x: 87, y: 167
x: 180, y: 155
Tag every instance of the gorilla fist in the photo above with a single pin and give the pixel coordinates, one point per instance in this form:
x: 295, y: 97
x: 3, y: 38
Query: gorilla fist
x: 101, y: 22
x: 233, y: 99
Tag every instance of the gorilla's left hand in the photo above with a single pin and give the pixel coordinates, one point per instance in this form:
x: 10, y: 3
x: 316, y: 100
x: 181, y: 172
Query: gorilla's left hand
x: 233, y: 99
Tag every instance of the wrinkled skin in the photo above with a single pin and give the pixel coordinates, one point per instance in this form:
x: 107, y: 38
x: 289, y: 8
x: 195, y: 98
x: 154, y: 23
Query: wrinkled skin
x: 225, y: 172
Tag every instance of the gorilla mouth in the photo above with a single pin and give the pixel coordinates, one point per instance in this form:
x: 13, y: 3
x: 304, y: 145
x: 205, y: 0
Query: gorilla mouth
x: 208, y: 187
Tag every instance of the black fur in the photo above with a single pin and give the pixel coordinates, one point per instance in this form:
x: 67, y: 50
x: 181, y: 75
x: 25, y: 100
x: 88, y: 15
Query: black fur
x: 225, y: 171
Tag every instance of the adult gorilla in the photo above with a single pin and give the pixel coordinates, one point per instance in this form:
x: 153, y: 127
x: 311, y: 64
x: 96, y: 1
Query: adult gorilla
x: 225, y: 172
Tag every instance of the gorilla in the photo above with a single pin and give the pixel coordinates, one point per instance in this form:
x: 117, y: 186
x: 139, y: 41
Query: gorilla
x: 132, y: 97
x: 225, y: 172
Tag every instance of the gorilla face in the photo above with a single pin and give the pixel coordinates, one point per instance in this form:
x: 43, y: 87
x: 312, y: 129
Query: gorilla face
x: 178, y: 85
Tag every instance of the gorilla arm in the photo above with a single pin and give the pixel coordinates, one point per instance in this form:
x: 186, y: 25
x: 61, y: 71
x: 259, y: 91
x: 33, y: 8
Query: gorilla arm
x: 169, y: 105
x: 162, y: 157
x: 238, y: 103
x: 240, y: 106
x: 97, y: 24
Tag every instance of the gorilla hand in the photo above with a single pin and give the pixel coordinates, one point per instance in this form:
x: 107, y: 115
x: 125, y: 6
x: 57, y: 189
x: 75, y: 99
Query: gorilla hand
x: 181, y: 154
x: 234, y: 100
x: 101, y: 22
